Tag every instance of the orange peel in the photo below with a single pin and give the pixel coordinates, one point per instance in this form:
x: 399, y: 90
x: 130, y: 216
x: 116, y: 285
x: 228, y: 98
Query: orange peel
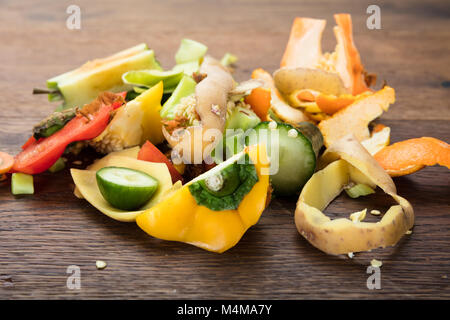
x: 356, y: 117
x: 408, y: 156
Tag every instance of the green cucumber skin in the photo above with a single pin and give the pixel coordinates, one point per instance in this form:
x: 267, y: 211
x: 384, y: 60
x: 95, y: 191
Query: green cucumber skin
x: 248, y: 177
x: 231, y: 181
x: 297, y: 159
x: 313, y: 133
x: 125, y: 197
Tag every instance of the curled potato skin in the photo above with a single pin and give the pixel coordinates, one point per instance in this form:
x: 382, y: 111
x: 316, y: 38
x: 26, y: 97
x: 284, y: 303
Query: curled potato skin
x: 349, y: 162
x: 211, y: 94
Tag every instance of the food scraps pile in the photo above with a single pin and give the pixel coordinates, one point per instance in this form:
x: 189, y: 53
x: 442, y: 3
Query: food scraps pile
x: 193, y: 156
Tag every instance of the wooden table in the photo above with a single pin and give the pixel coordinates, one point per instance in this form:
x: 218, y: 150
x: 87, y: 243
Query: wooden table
x: 41, y: 235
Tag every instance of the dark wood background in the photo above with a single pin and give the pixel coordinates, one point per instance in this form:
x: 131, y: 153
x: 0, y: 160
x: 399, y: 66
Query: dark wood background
x: 41, y: 235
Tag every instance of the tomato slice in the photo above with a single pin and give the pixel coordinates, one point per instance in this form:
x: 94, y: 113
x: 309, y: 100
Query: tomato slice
x: 151, y: 153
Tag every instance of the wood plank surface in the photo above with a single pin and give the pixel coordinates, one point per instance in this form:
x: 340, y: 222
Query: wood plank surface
x: 41, y: 235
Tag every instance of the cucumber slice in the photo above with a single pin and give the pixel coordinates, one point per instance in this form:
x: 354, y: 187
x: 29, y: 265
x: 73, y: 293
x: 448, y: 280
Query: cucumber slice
x: 224, y: 186
x: 312, y: 133
x: 228, y: 146
x: 125, y: 188
x: 222, y: 183
x: 293, y: 153
x: 22, y: 183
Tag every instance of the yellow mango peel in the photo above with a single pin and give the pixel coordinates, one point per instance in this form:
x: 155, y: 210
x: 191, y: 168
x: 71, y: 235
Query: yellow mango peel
x: 348, y: 161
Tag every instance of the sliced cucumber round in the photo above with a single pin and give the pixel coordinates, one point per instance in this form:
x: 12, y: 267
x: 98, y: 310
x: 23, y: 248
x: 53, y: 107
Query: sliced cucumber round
x: 292, y: 154
x: 125, y: 188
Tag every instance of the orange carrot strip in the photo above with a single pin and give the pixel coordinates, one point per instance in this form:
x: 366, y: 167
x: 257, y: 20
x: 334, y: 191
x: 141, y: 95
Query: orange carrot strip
x: 259, y: 100
x: 306, y: 95
x: 330, y: 104
x: 378, y: 127
x: 408, y: 156
x: 304, y: 46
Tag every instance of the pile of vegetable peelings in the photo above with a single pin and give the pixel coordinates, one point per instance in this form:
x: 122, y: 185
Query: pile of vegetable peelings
x: 142, y: 121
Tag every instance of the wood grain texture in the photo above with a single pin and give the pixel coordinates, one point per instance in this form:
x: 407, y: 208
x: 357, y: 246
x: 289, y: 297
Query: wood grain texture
x: 41, y: 235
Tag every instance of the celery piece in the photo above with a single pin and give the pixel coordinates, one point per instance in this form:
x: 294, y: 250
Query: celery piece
x: 241, y: 118
x: 82, y: 85
x: 359, y: 190
x: 188, y: 67
x: 190, y: 50
x: 57, y: 166
x: 149, y: 78
x: 228, y: 59
x: 185, y: 88
x: 22, y: 183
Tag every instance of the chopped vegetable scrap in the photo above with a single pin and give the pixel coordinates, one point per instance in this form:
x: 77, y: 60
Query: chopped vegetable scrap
x: 409, y: 156
x: 207, y: 212
x: 281, y: 109
x: 82, y: 85
x: 192, y: 155
x: 304, y: 51
x: 86, y: 183
x: 6, y: 162
x: 89, y: 122
x: 349, y: 162
x: 151, y: 153
x: 356, y: 117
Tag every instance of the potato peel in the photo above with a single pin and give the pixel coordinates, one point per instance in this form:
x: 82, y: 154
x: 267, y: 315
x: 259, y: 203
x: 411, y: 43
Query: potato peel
x: 348, y: 161
x: 281, y: 108
x: 288, y: 80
